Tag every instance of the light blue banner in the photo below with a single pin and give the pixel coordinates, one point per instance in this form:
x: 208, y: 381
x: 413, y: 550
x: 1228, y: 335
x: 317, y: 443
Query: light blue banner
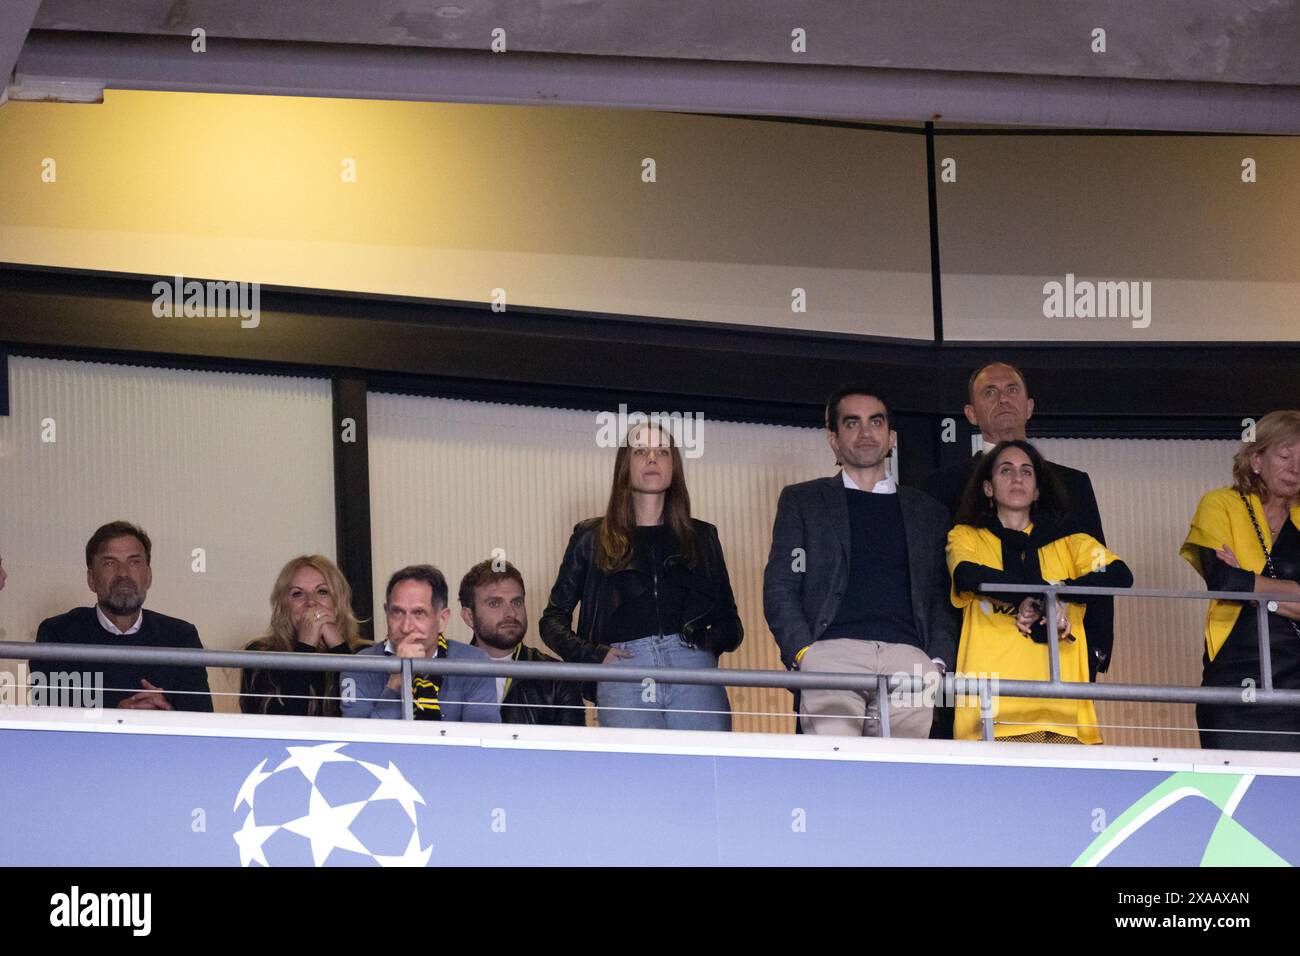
x: 79, y: 798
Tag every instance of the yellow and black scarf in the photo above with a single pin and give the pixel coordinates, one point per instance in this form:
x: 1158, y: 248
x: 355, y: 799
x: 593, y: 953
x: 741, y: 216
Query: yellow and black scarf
x: 425, y: 690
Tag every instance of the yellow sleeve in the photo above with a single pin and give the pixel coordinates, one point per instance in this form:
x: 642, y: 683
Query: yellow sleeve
x: 1211, y: 526
x: 963, y: 545
x: 1088, y: 554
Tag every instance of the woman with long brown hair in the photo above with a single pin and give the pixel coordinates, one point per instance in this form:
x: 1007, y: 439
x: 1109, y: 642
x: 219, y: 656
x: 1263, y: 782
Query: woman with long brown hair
x: 311, y: 612
x: 1246, y: 537
x: 654, y: 592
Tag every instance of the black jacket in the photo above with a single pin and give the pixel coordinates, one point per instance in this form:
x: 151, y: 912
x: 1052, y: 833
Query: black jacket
x: 947, y: 485
x: 710, y: 613
x: 557, y: 702
x: 291, y: 693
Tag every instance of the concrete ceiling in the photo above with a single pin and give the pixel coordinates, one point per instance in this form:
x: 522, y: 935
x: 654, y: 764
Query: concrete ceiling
x: 1167, y: 64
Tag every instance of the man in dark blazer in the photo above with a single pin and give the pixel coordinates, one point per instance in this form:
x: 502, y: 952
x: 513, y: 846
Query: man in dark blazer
x: 857, y: 579
x: 1000, y: 406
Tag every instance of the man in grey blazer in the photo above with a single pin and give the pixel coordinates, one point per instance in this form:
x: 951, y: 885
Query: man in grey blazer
x: 857, y: 579
x: 415, y: 604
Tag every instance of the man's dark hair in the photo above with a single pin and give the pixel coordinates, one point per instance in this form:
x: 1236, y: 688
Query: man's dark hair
x: 117, y: 529
x: 970, y: 386
x: 843, y: 392
x: 420, y: 572
x: 483, y: 574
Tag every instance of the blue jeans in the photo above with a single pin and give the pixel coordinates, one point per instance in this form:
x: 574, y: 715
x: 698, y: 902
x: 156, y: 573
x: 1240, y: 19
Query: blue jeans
x: 658, y: 706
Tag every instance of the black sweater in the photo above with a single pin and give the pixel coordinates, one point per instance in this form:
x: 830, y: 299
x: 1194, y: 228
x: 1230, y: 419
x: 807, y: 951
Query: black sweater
x: 187, y: 687
x: 877, y: 604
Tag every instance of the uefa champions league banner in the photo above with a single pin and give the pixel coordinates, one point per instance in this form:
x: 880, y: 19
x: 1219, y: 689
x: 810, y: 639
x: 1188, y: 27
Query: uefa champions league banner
x: 156, y: 797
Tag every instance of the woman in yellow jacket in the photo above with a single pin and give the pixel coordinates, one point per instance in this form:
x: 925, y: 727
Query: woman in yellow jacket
x: 1014, y: 527
x: 1246, y: 537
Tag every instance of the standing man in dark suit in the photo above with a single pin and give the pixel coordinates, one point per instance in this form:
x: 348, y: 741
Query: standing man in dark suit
x: 1000, y: 406
x: 857, y: 580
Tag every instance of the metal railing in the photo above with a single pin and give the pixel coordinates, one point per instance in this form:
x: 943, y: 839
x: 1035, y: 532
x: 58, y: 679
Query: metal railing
x: 953, y: 686
x: 1147, y: 693
x: 1053, y: 590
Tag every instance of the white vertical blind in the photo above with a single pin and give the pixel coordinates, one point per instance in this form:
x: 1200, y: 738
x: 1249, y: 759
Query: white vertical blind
x: 452, y: 480
x: 1147, y: 491
x: 238, y: 465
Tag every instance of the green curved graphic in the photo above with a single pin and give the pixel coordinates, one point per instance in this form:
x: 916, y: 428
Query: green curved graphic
x: 1230, y: 843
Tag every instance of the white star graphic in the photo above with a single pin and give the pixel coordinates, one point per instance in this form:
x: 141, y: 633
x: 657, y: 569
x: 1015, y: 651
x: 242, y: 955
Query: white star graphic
x: 413, y: 856
x: 250, y: 838
x: 393, y: 786
x: 310, y: 759
x: 327, y: 827
x: 250, y: 784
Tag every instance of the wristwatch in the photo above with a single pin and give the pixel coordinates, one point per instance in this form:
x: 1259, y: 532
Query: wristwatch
x: 1272, y: 607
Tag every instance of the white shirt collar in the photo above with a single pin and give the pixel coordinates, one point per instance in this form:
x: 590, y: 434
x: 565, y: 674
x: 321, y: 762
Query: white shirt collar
x: 886, y: 486
x: 109, y: 626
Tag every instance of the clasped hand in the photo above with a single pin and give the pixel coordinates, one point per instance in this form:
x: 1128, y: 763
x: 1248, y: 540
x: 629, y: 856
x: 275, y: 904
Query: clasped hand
x: 1031, y: 612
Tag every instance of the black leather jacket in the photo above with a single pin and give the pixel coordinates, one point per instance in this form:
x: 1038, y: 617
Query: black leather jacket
x: 542, y: 701
x: 710, y: 613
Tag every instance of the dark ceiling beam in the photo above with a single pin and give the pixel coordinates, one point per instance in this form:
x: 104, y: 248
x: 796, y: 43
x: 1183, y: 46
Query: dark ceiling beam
x: 1190, y: 40
x: 589, y: 361
x: 55, y: 58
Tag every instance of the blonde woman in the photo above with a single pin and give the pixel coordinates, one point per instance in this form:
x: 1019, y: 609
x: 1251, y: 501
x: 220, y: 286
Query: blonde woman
x: 311, y: 613
x: 1246, y: 537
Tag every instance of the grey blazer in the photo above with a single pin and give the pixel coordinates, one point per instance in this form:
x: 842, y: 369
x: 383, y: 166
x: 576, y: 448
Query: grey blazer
x: 812, y: 532
x: 464, y: 697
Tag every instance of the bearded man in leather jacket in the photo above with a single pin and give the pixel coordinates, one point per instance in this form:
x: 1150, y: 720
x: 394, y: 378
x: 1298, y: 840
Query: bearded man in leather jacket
x: 492, y: 605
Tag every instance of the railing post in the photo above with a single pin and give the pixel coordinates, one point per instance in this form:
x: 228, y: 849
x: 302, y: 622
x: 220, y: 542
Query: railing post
x: 882, y: 703
x: 1265, y: 651
x: 1053, y: 639
x: 986, y: 708
x: 408, y: 695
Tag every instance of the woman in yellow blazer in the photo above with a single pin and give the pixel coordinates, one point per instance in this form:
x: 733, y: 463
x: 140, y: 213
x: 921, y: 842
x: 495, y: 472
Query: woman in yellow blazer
x: 1246, y: 537
x: 1014, y: 527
